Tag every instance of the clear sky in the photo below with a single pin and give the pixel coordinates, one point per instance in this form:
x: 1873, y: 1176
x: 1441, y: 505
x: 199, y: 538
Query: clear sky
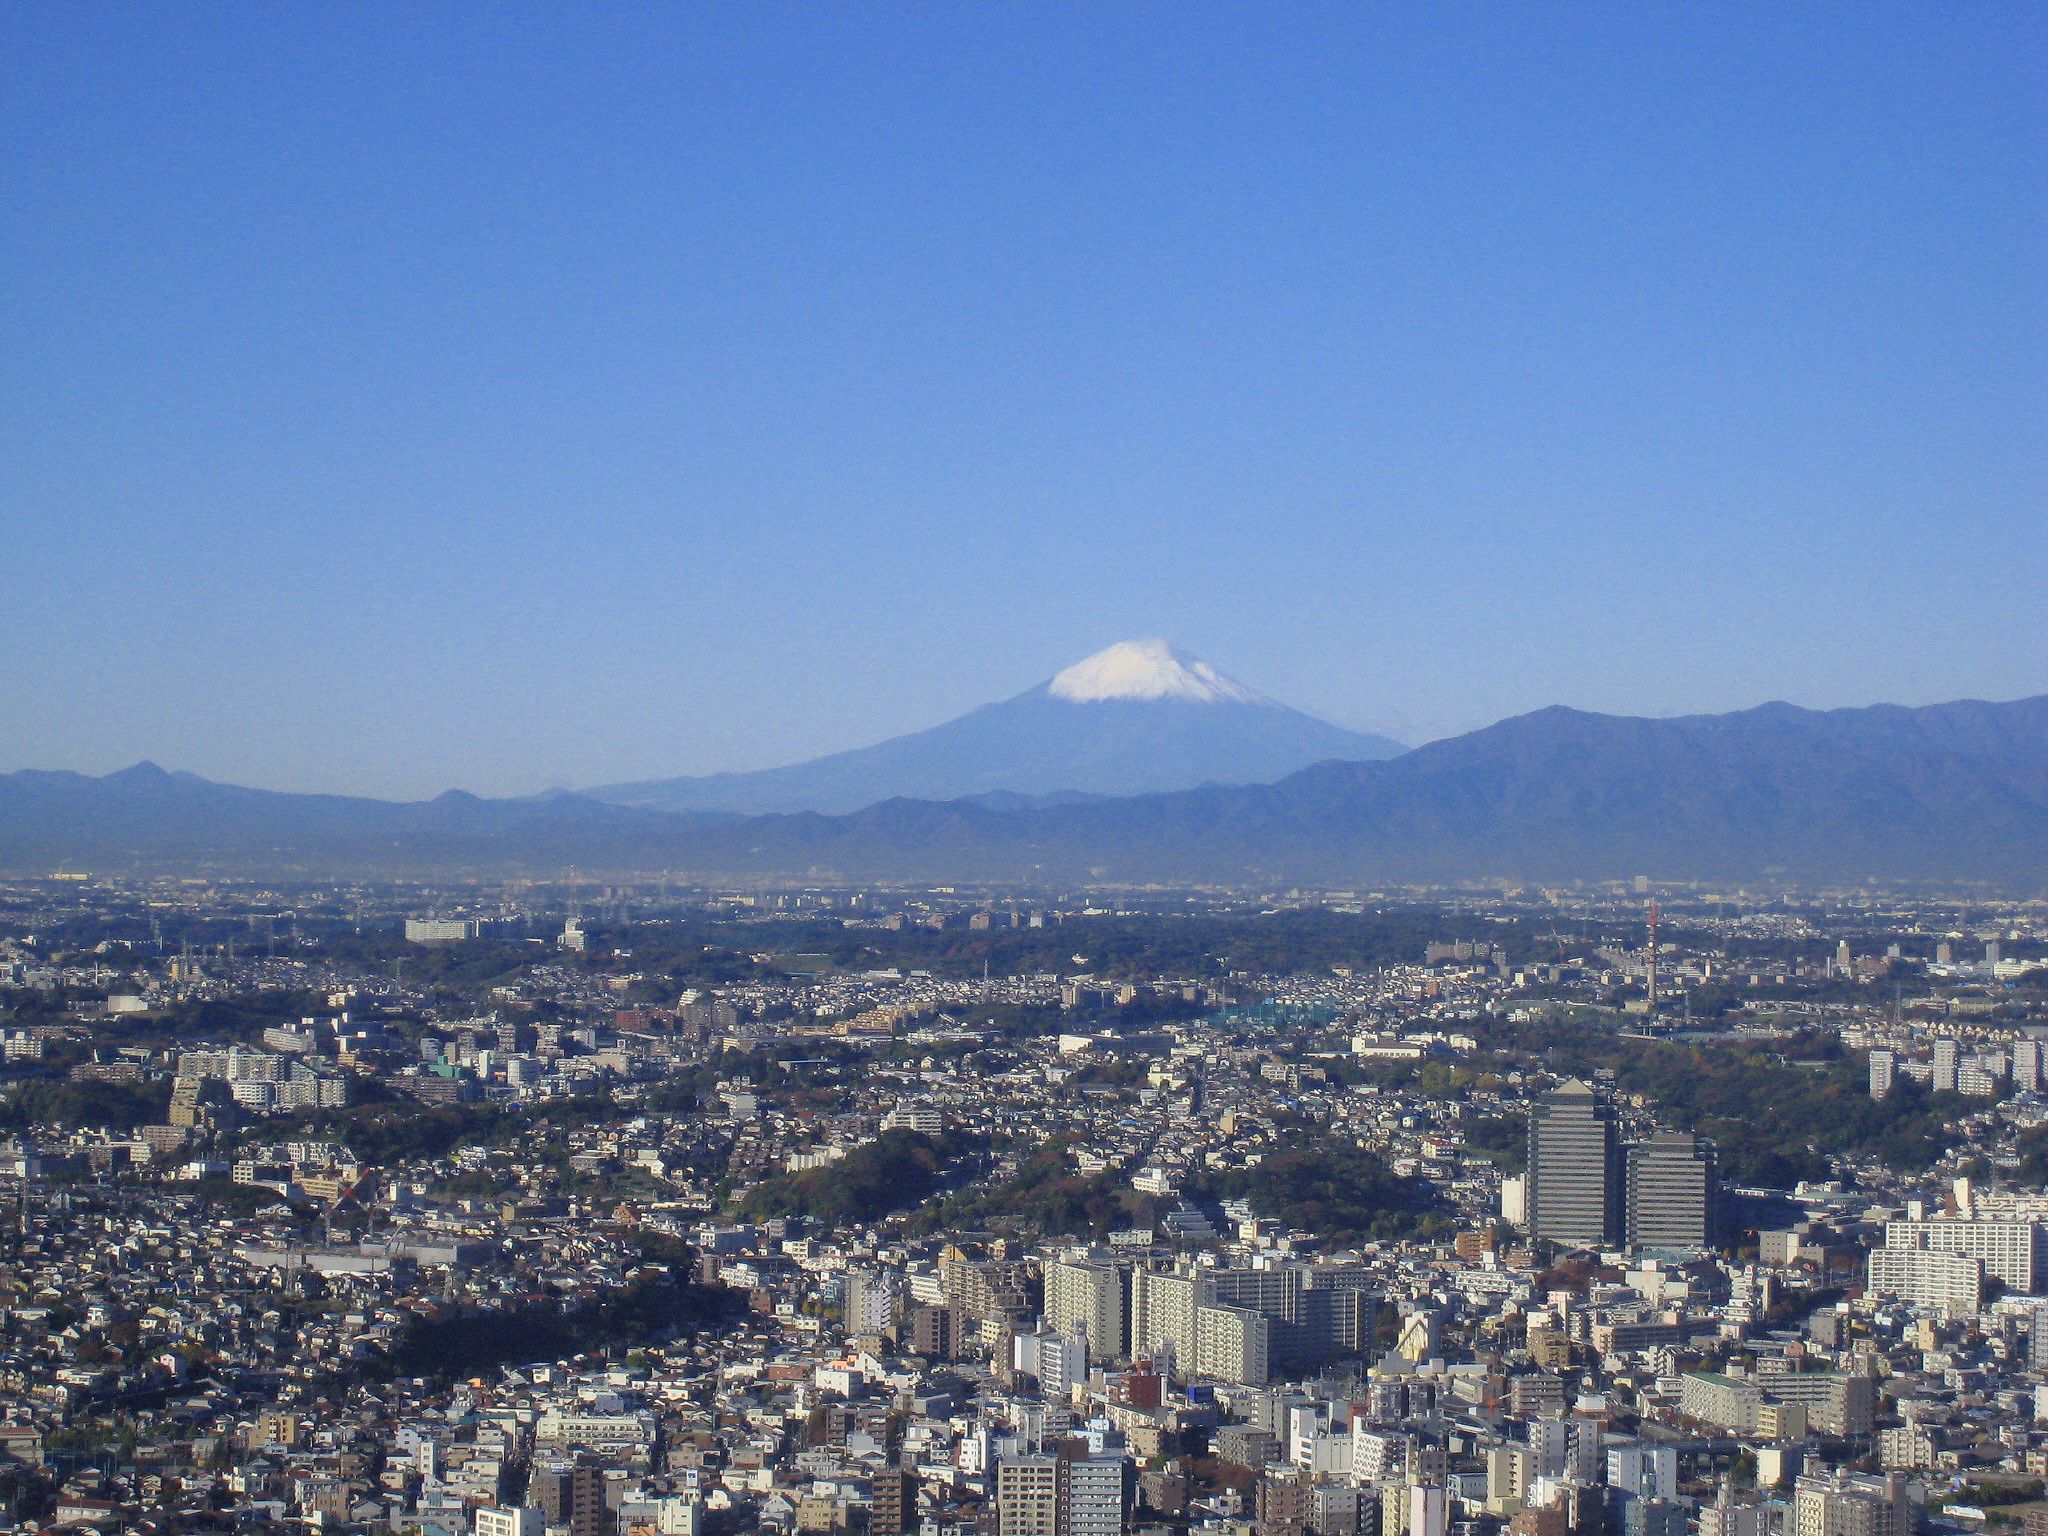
x: 473, y: 395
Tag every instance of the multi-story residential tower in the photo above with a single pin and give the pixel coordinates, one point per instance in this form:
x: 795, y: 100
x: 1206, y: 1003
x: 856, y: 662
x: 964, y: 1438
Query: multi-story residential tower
x: 893, y: 1504
x: 1028, y: 1496
x: 2012, y: 1251
x: 1096, y: 1495
x: 2026, y: 1066
x: 1086, y: 1294
x: 1946, y: 1064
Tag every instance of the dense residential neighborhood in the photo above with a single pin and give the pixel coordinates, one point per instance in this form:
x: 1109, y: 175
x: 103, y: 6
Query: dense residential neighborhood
x: 646, y: 1212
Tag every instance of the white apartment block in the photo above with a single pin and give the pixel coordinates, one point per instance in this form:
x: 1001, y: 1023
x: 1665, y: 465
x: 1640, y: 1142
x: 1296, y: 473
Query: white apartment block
x: 2011, y: 1250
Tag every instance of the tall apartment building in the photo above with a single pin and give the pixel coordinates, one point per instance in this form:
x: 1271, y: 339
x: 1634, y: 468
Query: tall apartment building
x: 874, y: 1300
x: 1314, y: 1313
x: 1290, y: 1502
x: 1846, y: 1504
x: 1241, y: 1324
x: 2026, y: 1066
x: 1733, y: 1402
x: 571, y: 1494
x: 1952, y: 1282
x: 1028, y: 1490
x: 1097, y: 1494
x: 1574, y: 1180
x: 441, y: 930
x: 1427, y: 1507
x: 1832, y: 1402
x: 1884, y: 1070
x: 1946, y: 1064
x: 1284, y: 1503
x: 936, y: 1332
x: 1672, y: 1192
x: 1643, y: 1470
x: 1175, y: 1316
x: 1163, y: 1316
x: 892, y: 1503
x: 989, y: 1290
x: 2011, y: 1250
x: 1836, y: 1403
x: 1571, y: 1448
x: 1511, y: 1471
x: 1085, y: 1294
x: 1059, y: 1361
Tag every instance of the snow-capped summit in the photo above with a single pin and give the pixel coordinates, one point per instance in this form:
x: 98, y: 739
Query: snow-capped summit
x: 1148, y: 669
x: 1119, y: 723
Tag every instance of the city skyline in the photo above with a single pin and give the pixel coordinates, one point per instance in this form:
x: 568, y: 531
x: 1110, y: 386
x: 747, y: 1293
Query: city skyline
x: 515, y: 402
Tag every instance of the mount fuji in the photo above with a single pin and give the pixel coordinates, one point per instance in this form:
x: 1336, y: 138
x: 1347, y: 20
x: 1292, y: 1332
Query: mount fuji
x: 1137, y: 718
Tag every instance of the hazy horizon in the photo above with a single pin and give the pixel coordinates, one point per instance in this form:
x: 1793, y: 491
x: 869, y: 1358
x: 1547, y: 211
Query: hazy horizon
x: 1411, y: 743
x: 407, y: 401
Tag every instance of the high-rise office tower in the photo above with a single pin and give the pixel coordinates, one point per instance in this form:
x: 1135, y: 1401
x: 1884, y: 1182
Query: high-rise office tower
x: 1574, y: 1190
x: 1671, y: 1192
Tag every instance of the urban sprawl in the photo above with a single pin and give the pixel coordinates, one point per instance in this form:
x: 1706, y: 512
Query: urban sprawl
x: 585, y: 1209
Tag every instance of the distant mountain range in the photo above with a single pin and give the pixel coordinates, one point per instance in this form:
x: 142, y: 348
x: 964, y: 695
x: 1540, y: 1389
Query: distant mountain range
x: 1134, y: 719
x: 1953, y: 792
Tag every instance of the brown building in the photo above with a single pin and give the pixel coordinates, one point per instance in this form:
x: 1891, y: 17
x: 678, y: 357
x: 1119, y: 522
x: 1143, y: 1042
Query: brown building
x: 893, y: 1510
x: 1286, y: 1503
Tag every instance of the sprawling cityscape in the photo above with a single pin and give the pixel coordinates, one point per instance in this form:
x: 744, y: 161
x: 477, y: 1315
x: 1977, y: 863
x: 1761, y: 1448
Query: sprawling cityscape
x: 638, y: 1210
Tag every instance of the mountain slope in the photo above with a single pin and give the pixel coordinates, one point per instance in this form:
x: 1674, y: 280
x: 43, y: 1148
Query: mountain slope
x: 1953, y: 792
x: 146, y: 817
x: 1136, y: 718
x: 1957, y: 791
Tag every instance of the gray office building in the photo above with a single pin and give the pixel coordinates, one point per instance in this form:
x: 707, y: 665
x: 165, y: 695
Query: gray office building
x: 1671, y: 1192
x: 1575, y: 1183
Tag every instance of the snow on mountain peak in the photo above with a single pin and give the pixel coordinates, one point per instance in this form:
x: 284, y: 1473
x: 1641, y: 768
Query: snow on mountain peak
x: 1148, y: 669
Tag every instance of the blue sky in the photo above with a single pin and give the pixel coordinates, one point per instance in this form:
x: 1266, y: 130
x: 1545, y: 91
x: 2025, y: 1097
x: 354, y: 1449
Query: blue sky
x: 498, y: 397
